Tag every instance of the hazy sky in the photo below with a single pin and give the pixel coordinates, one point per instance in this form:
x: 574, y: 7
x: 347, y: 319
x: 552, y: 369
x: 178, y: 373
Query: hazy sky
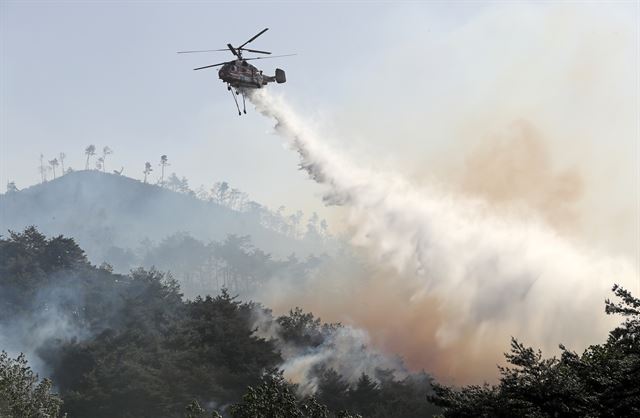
x: 106, y: 73
x: 531, y: 106
x: 393, y: 84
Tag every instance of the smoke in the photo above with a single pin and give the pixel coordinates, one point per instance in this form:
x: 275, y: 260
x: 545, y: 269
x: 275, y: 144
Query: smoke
x: 561, y: 75
x: 462, y: 278
x: 53, y: 317
x: 515, y: 168
x: 509, y: 177
x: 345, y: 349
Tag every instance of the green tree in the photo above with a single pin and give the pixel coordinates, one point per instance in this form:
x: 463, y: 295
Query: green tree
x: 28, y: 262
x: 176, y: 184
x: 194, y: 410
x: 365, y: 395
x: 21, y: 394
x: 54, y: 163
x: 220, y: 192
x: 603, y: 381
x: 274, y: 397
x: 303, y: 329
x: 147, y: 170
x: 11, y: 187
x: 164, y: 161
x: 333, y: 389
x: 89, y: 151
x: 145, y: 351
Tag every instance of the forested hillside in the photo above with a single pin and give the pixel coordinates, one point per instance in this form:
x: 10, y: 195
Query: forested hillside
x: 132, y: 346
x: 171, y: 338
x: 116, y: 218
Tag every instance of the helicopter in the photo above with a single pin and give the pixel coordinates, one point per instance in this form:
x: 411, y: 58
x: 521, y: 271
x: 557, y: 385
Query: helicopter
x: 241, y: 76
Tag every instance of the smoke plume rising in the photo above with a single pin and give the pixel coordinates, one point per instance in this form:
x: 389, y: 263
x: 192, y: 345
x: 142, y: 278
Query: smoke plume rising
x: 516, y: 169
x: 49, y: 322
x: 341, y: 348
x: 457, y: 278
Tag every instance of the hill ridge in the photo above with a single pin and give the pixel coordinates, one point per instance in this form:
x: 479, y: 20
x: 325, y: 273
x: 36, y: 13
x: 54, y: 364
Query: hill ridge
x: 99, y: 209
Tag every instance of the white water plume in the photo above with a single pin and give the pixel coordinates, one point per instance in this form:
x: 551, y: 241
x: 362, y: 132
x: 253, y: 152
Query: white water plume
x: 483, y: 275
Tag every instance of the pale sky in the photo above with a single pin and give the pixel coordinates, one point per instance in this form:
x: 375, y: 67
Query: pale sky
x: 106, y: 73
x: 395, y: 85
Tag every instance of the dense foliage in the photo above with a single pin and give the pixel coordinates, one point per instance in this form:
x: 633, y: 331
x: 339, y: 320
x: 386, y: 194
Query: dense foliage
x: 21, y: 394
x: 131, y: 346
x: 274, y: 397
x: 604, y: 381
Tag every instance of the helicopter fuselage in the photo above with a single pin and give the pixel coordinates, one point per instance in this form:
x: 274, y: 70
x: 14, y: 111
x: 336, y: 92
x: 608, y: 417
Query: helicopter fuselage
x: 241, y: 74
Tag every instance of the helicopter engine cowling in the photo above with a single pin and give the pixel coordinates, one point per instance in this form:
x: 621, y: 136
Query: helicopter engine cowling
x: 280, y: 76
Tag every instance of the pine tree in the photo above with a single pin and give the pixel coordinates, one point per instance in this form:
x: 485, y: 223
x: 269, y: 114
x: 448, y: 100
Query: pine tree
x: 89, y: 151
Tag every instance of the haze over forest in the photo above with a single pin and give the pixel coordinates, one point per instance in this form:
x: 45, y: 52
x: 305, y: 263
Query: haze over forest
x: 356, y: 245
x: 76, y: 321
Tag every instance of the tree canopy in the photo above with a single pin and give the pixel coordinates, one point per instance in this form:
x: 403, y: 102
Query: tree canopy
x: 133, y: 346
x: 602, y: 381
x: 22, y: 394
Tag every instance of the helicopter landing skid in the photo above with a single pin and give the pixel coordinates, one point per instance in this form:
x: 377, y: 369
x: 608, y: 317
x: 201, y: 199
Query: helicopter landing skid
x: 244, y: 105
x: 236, y: 102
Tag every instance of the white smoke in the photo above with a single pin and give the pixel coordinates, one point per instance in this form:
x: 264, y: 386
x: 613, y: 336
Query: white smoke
x: 50, y: 321
x: 492, y: 274
x: 345, y: 349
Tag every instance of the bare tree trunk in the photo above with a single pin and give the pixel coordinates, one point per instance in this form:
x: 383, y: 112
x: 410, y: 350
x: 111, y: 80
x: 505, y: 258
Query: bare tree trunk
x: 41, y: 169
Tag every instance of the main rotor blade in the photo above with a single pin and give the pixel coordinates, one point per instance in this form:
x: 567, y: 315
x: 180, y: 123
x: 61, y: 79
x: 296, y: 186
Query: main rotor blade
x: 201, y: 50
x: 264, y: 58
x: 244, y: 59
x: 256, y: 51
x: 252, y: 39
x: 212, y: 65
x: 233, y: 50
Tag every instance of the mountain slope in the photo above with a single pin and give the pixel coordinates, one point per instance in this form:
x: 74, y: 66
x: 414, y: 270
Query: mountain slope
x: 100, y: 209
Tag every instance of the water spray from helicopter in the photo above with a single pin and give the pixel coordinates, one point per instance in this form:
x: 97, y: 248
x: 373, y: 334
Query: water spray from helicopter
x: 483, y: 276
x: 463, y: 276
